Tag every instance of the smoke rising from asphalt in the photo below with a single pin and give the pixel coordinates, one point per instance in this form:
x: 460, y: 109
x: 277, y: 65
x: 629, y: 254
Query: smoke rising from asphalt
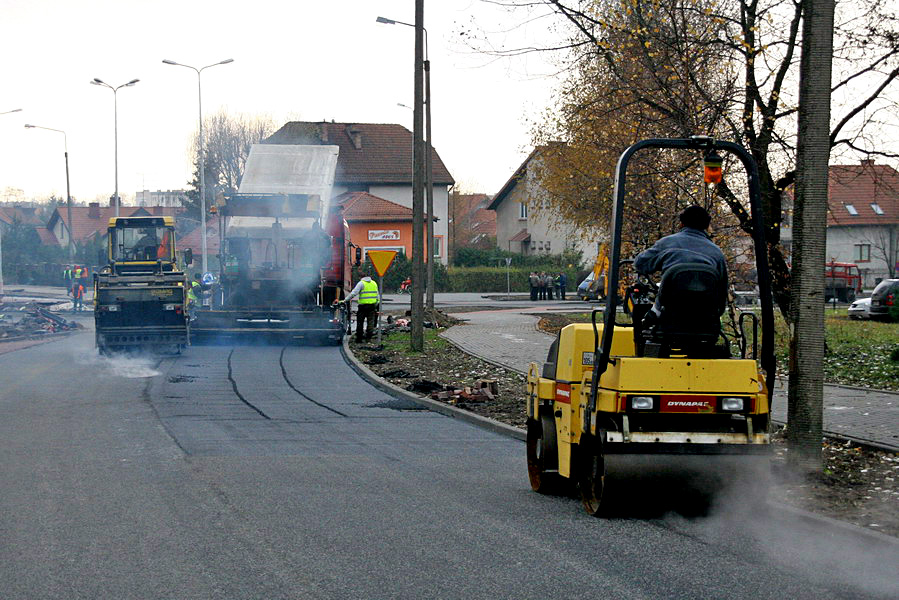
x: 839, y: 556
x: 129, y: 366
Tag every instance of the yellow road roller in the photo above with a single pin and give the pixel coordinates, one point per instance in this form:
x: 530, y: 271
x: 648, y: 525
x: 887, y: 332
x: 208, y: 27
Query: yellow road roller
x: 653, y: 388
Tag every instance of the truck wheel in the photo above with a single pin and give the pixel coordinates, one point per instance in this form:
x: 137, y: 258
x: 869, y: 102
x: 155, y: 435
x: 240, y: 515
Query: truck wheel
x: 591, y: 475
x: 542, y: 455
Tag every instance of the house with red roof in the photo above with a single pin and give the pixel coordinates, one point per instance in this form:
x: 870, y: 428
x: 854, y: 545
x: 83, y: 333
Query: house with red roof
x: 92, y: 220
x: 376, y: 159
x: 26, y: 215
x: 472, y: 224
x: 378, y: 224
x: 863, y: 219
x: 194, y: 241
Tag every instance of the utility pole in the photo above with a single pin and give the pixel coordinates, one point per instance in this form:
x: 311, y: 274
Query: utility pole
x: 805, y: 411
x: 429, y: 183
x: 416, y: 341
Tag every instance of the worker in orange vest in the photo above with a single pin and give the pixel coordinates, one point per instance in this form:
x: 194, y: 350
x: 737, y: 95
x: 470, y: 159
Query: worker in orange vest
x: 77, y: 297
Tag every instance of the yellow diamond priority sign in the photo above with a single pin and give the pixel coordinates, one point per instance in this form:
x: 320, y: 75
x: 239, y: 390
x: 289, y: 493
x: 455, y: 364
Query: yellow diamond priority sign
x: 381, y: 259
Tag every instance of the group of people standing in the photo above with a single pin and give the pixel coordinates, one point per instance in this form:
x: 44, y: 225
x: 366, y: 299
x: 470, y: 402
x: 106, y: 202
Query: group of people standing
x: 75, y: 277
x: 542, y: 285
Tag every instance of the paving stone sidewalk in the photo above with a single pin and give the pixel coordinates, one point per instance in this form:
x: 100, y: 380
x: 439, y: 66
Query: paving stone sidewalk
x: 511, y: 338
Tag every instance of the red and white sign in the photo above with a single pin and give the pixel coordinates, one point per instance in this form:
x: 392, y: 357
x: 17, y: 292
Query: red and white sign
x: 383, y: 235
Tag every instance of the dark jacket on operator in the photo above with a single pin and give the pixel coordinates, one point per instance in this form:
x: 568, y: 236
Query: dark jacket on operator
x: 686, y: 246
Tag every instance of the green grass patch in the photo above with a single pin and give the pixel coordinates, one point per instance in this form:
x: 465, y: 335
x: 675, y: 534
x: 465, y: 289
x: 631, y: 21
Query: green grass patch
x: 398, y: 341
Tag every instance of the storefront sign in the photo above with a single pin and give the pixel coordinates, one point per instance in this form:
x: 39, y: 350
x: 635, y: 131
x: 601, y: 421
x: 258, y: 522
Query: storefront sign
x: 383, y: 234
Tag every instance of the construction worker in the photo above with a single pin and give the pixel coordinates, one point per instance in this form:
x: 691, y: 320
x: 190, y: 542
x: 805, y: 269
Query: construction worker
x: 67, y: 277
x: 194, y: 291
x: 367, y: 290
x: 77, y: 297
x: 76, y: 275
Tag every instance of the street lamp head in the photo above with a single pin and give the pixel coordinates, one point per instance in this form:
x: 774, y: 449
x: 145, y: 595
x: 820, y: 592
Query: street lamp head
x: 27, y: 126
x: 385, y: 20
x: 226, y: 61
x: 132, y: 82
x: 97, y: 81
x: 169, y: 62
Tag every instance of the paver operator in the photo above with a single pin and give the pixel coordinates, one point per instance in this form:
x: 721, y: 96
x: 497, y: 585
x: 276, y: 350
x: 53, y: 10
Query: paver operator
x: 367, y: 291
x: 689, y: 245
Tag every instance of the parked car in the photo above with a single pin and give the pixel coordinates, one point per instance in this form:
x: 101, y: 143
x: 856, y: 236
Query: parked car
x: 885, y: 300
x: 590, y: 289
x: 860, y: 309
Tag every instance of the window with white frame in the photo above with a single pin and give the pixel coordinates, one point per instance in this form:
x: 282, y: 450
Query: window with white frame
x: 876, y: 208
x: 862, y: 253
x: 850, y: 208
x: 522, y: 210
x: 438, y: 246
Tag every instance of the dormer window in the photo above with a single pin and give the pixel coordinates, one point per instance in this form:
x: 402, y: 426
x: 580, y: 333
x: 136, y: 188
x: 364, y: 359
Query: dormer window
x: 850, y: 208
x: 876, y: 208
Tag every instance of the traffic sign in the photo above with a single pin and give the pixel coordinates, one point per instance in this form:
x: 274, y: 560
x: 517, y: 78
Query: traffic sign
x: 381, y: 259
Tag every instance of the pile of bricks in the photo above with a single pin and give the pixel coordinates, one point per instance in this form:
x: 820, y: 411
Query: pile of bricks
x: 482, y: 391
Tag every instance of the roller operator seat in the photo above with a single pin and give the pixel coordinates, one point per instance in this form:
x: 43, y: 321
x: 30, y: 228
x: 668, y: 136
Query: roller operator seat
x: 692, y: 298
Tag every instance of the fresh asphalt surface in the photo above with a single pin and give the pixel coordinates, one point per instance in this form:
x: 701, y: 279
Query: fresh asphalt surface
x: 271, y: 472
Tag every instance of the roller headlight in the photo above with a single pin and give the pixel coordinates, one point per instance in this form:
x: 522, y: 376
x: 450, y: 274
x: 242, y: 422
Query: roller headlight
x: 732, y: 404
x: 641, y: 402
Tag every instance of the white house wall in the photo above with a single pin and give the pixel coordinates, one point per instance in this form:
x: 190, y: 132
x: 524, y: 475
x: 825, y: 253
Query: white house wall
x: 540, y: 224
x: 841, y: 243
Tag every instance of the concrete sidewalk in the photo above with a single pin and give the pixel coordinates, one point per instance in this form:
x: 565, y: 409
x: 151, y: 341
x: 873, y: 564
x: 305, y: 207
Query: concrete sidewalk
x: 511, y: 338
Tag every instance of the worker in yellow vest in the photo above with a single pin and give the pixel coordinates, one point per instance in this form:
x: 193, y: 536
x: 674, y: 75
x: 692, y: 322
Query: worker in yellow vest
x: 194, y: 291
x: 367, y: 312
x: 67, y: 277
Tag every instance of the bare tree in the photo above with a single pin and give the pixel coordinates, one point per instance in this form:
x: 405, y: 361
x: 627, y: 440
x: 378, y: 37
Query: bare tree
x: 228, y: 141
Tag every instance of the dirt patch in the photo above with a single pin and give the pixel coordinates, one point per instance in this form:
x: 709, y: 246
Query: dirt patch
x: 443, y: 366
x: 857, y: 485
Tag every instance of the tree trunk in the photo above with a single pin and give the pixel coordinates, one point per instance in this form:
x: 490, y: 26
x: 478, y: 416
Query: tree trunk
x: 805, y: 410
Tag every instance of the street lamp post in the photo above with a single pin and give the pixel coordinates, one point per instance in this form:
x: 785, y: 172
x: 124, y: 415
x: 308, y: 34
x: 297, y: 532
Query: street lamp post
x: 202, y: 150
x: 429, y: 175
x: 15, y: 110
x: 115, y: 102
x: 65, y: 142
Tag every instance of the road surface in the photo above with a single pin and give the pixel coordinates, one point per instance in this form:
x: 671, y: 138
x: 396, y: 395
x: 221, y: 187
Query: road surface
x: 273, y: 472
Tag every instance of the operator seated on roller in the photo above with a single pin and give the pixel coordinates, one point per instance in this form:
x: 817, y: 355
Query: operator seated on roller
x: 693, y: 290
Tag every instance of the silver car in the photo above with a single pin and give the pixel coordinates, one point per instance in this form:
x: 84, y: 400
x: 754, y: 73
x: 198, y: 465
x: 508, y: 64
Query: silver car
x: 860, y: 309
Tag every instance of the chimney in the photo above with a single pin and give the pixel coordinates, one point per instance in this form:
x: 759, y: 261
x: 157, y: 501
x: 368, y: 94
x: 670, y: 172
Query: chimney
x: 93, y: 210
x: 112, y: 201
x: 323, y: 133
x: 355, y: 135
x: 867, y: 162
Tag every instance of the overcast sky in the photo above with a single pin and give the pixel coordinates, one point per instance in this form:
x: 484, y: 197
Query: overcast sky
x: 293, y: 60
